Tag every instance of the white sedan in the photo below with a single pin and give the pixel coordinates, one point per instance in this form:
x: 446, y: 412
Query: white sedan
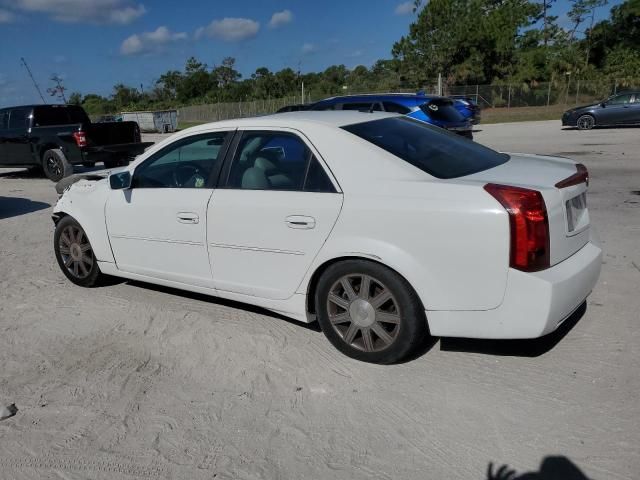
x: 381, y: 228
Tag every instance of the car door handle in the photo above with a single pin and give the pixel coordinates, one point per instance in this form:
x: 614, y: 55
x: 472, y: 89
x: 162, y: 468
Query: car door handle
x: 188, y: 217
x: 300, y: 221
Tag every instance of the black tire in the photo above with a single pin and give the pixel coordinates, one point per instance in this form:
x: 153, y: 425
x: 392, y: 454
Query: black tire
x: 55, y: 165
x: 71, y: 245
x: 585, y: 122
x: 402, y: 316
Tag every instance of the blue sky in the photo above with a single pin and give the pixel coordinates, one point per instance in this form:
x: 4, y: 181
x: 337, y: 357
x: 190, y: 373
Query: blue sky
x: 94, y: 44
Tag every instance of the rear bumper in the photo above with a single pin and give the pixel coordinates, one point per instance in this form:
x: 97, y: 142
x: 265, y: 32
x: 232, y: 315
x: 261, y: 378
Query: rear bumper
x: 534, y: 304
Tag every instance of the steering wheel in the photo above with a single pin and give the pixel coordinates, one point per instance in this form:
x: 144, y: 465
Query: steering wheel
x: 184, y: 173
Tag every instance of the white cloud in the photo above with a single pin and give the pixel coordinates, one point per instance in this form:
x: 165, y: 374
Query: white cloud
x: 308, y: 48
x: 279, y: 19
x: 230, y: 29
x: 150, y: 42
x: 6, y: 16
x: 73, y: 11
x: 404, y: 8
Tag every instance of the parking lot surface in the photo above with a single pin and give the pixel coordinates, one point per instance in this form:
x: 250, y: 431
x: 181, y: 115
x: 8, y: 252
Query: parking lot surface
x: 135, y: 381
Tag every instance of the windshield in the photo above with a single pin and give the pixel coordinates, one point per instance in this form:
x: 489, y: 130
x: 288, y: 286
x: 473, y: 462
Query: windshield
x: 431, y: 149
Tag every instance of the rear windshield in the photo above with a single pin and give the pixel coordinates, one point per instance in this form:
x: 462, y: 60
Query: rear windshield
x: 443, y: 110
x: 431, y: 149
x: 58, y: 115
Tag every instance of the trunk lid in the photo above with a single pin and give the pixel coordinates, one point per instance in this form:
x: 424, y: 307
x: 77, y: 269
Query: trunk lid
x: 566, y: 207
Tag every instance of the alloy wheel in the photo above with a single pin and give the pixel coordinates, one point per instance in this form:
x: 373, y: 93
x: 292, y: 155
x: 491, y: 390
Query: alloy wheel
x: 364, y: 312
x: 75, y: 251
x: 54, y: 165
x: 585, y: 122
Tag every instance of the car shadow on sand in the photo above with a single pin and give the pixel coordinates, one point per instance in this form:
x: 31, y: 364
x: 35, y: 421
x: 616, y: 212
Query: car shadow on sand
x: 515, y: 348
x: 16, y: 206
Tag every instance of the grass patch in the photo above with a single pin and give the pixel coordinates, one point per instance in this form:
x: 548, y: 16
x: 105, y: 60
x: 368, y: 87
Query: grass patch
x: 523, y: 114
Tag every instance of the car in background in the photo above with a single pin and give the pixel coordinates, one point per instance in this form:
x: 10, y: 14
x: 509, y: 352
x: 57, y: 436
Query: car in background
x: 381, y: 227
x: 57, y: 137
x: 620, y: 109
x: 468, y: 106
x: 431, y: 109
x: 298, y: 107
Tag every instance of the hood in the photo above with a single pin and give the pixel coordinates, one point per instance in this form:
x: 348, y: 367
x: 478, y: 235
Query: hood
x: 584, y: 107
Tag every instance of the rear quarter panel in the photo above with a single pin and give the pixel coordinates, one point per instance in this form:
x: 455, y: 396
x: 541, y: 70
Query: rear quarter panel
x: 450, y: 242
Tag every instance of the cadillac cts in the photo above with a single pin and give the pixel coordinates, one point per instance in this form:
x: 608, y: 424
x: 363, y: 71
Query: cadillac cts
x: 381, y: 228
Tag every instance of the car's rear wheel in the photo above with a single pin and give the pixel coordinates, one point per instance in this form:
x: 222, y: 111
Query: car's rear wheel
x: 369, y: 312
x: 586, y: 122
x: 55, y: 165
x: 74, y: 253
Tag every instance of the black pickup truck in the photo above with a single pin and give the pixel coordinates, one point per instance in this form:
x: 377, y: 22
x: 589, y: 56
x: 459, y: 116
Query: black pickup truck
x: 57, y: 137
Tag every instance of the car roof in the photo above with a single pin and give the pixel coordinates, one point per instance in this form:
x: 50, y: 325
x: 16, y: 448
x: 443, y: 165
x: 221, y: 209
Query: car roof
x: 404, y: 98
x: 300, y: 118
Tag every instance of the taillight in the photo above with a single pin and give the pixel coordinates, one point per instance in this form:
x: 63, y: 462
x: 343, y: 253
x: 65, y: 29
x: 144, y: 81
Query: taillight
x: 582, y: 176
x: 529, y: 226
x: 80, y: 138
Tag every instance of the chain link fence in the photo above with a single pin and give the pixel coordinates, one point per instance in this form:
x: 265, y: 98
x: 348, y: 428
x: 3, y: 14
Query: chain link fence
x: 568, y: 92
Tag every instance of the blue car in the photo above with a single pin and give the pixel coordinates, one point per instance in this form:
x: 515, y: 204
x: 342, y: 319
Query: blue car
x: 432, y: 109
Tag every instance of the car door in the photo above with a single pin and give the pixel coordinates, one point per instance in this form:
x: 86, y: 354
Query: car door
x: 157, y: 227
x: 617, y: 110
x: 276, y: 207
x: 4, y: 126
x: 17, y: 146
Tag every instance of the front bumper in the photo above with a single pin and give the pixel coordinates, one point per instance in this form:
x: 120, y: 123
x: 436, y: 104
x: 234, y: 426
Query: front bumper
x: 568, y: 120
x: 534, y: 304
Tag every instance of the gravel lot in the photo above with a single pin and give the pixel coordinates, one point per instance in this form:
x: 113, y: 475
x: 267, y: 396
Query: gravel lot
x: 135, y: 381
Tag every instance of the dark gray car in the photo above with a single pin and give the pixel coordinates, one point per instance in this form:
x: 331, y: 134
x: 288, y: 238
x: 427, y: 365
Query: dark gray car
x: 620, y: 109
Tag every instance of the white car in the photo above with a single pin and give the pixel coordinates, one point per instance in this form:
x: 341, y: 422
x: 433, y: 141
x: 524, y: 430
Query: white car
x: 382, y: 228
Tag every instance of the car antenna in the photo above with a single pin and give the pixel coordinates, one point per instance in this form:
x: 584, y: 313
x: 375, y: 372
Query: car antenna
x: 24, y: 62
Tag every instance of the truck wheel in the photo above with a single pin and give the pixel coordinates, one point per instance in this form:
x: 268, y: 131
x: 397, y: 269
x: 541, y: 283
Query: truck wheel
x: 55, y: 165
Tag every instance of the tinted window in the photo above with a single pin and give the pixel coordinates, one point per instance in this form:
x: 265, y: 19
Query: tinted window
x: 363, y: 106
x: 431, y: 149
x: 317, y: 179
x: 4, y: 119
x: 19, y: 118
x: 620, y: 99
x: 274, y: 161
x: 323, y: 106
x: 442, y: 110
x: 395, y: 108
x: 188, y: 163
x: 62, y: 115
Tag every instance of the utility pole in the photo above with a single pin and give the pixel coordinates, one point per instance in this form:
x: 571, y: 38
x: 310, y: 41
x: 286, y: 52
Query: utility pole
x: 24, y: 62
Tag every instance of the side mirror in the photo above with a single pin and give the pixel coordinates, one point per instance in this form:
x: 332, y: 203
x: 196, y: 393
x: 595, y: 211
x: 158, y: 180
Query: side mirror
x: 120, y: 180
x: 603, y: 104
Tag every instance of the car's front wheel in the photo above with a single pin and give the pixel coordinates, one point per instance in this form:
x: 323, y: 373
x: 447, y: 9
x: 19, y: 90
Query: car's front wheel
x: 586, y: 122
x: 74, y: 253
x: 369, y: 312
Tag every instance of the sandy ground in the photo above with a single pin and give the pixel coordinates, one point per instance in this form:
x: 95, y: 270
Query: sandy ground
x: 135, y: 381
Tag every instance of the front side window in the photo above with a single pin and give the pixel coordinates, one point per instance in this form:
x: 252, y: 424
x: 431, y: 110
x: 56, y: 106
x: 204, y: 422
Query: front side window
x: 431, y: 149
x: 620, y: 99
x: 19, y: 118
x: 187, y: 163
x: 276, y: 161
x: 4, y: 119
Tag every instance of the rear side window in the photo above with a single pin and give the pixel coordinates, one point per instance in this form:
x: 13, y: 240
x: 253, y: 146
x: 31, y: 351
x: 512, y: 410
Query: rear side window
x: 4, y: 119
x: 396, y: 108
x: 276, y: 161
x: 363, y: 106
x: 53, y: 115
x: 19, y: 118
x: 431, y: 149
x: 443, y: 110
